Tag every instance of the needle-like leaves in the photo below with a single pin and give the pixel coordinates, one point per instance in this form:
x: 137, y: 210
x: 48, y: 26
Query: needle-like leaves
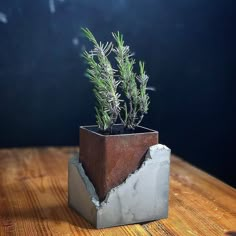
x: 101, y: 74
x: 138, y: 99
x: 107, y: 81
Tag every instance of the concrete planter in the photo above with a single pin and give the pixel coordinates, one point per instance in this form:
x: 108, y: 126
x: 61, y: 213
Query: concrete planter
x: 143, y: 196
x: 109, y: 159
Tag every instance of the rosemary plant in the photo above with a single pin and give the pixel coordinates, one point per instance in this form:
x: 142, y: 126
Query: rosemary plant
x: 138, y: 99
x: 101, y: 75
x: 107, y: 81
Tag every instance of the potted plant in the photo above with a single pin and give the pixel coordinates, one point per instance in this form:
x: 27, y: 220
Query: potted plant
x: 109, y: 152
x: 121, y: 174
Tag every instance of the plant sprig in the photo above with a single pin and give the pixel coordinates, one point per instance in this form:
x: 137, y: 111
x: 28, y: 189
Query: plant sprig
x: 102, y: 76
x: 107, y: 81
x: 138, y: 99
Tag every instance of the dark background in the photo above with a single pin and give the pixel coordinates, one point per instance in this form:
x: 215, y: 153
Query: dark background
x: 189, y: 50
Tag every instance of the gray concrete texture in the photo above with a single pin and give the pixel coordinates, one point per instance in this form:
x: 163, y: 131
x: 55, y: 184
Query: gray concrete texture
x: 143, y: 196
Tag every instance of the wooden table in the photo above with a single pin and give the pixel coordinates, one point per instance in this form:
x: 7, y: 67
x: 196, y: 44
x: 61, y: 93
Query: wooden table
x: 33, y: 199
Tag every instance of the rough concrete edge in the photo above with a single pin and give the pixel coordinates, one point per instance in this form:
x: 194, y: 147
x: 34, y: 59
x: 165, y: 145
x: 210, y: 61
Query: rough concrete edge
x: 153, y: 157
x: 133, y: 174
x: 88, y: 184
x: 90, y: 188
x: 91, y: 215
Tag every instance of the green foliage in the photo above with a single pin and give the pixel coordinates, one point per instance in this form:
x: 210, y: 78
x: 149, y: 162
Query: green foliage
x: 107, y: 80
x: 101, y: 75
x: 138, y: 99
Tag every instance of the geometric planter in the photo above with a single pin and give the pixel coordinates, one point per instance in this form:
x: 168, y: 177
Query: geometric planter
x: 109, y: 159
x: 143, y: 196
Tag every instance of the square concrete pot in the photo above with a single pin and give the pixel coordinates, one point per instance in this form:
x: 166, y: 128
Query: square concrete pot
x: 142, y: 197
x: 109, y: 159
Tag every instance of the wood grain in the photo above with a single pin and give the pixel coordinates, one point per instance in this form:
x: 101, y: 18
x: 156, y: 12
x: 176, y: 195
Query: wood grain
x: 199, y: 204
x: 18, y: 164
x: 33, y: 199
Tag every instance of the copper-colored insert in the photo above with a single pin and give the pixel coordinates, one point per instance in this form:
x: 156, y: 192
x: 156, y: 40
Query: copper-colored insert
x: 109, y: 159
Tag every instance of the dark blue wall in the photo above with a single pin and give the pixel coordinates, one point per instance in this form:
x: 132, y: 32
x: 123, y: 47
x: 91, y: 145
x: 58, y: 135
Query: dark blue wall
x: 189, y: 49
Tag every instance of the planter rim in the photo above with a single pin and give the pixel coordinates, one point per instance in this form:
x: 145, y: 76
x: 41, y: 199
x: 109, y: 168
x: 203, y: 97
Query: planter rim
x: 85, y: 127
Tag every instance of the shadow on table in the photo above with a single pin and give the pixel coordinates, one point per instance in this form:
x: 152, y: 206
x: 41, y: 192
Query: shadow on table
x: 230, y: 233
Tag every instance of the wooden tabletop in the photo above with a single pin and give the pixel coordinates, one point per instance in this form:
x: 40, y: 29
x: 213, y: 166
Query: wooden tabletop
x: 33, y: 199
